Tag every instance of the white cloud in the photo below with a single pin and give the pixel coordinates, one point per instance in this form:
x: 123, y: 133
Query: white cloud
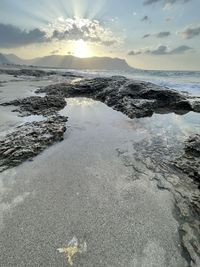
x: 88, y: 30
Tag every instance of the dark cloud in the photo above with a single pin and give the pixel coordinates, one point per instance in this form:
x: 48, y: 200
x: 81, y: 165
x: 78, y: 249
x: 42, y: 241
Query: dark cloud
x: 165, y: 2
x: 108, y: 43
x: 133, y: 53
x: 63, y: 29
x: 168, y: 19
x: 146, y: 36
x: 146, y: 19
x: 149, y: 2
x: 181, y: 49
x: 11, y: 36
x: 55, y: 52
x: 163, y: 50
x: 162, y: 34
x: 190, y: 33
x: 158, y: 35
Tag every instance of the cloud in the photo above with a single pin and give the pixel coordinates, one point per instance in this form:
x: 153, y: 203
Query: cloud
x: 162, y: 34
x: 146, y: 19
x: 55, y: 51
x: 149, y: 2
x: 11, y: 36
x: 190, y: 33
x: 162, y: 50
x: 146, y: 36
x: 168, y: 19
x: 158, y: 35
x: 88, y: 30
x: 134, y: 53
x: 166, y: 3
x: 59, y: 30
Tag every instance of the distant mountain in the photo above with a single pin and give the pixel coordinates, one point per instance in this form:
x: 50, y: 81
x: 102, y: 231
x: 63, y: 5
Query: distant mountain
x: 17, y: 60
x: 4, y: 60
x: 71, y: 62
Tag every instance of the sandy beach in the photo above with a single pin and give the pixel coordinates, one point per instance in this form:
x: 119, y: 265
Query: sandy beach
x: 96, y: 187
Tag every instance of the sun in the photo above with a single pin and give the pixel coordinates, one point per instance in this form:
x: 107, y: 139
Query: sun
x: 81, y: 49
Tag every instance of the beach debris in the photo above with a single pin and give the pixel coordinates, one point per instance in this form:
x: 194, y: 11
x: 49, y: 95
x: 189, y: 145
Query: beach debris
x: 73, y: 247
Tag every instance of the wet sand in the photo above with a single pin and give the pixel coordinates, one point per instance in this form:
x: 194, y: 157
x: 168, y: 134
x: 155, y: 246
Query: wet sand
x: 82, y: 188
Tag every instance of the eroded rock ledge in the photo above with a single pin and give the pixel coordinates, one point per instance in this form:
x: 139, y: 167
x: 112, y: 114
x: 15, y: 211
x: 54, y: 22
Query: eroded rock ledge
x: 35, y: 73
x: 29, y: 140
x: 189, y: 162
x: 36, y: 105
x: 134, y: 98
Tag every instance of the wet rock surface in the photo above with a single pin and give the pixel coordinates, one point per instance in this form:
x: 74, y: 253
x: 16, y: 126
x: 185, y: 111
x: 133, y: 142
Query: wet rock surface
x: 35, y: 72
x: 29, y: 140
x: 134, y: 98
x: 26, y: 72
x: 152, y: 159
x: 189, y: 162
x: 36, y: 105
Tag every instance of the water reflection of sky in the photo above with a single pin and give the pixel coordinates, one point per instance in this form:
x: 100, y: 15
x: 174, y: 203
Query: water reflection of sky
x: 81, y: 110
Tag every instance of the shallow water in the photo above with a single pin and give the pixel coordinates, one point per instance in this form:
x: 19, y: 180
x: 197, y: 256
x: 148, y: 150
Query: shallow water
x: 93, y: 187
x: 82, y: 188
x: 21, y: 87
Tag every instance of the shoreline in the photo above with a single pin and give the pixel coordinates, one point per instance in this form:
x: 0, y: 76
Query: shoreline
x: 141, y: 109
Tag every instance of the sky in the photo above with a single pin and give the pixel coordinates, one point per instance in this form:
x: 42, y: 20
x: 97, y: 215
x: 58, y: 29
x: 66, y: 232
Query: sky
x: 148, y: 34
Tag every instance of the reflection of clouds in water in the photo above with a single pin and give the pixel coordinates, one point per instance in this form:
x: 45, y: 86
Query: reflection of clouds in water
x: 129, y: 124
x: 82, y: 102
x: 77, y: 80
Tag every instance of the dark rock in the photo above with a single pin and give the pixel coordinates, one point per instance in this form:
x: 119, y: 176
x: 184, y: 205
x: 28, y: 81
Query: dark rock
x: 133, y: 98
x: 26, y: 72
x: 36, y: 73
x: 29, y: 140
x: 189, y: 162
x: 36, y: 105
x: 196, y: 106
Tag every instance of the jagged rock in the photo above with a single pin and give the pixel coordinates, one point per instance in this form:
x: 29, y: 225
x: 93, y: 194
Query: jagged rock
x: 36, y: 105
x: 133, y: 98
x: 27, y: 72
x: 29, y: 140
x: 196, y: 106
x: 189, y: 162
x: 36, y: 73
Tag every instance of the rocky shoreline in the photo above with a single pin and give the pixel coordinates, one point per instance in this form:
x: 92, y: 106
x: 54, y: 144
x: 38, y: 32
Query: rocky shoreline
x: 36, y: 105
x: 136, y: 99
x: 139, y: 99
x: 156, y: 164
x: 29, y: 140
x: 35, y: 73
x: 189, y: 162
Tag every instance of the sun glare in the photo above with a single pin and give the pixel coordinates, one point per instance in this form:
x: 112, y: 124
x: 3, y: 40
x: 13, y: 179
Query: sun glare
x: 81, y: 49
